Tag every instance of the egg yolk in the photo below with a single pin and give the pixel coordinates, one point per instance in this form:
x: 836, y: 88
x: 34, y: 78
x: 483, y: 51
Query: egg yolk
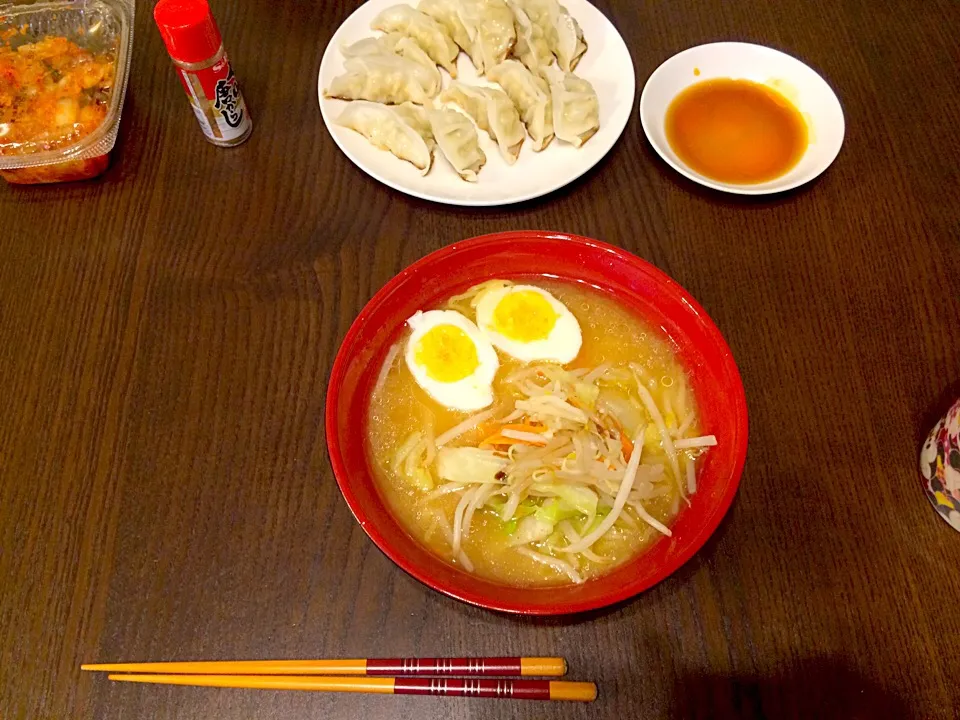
x: 524, y: 316
x: 446, y: 353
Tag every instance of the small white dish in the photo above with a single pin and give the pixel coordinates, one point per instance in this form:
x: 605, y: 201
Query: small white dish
x: 800, y: 84
x: 606, y: 65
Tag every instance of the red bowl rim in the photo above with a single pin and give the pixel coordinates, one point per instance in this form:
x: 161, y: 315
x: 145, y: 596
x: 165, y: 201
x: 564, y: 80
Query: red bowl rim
x: 619, y: 594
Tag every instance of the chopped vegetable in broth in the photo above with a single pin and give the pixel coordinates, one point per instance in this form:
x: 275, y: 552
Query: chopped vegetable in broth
x: 571, y: 471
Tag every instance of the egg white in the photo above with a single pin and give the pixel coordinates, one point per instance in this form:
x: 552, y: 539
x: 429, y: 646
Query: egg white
x: 562, y: 344
x: 473, y: 392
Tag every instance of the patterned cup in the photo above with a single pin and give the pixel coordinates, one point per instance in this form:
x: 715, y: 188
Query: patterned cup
x: 940, y: 466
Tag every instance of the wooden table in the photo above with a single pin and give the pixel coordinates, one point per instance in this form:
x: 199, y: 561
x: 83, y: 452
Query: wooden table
x: 166, y: 334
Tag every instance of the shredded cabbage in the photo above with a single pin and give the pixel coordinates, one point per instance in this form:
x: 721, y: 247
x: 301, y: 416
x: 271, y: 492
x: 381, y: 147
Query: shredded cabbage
x: 578, y: 497
x: 532, y: 529
x: 423, y: 479
x: 553, y: 511
x: 469, y: 465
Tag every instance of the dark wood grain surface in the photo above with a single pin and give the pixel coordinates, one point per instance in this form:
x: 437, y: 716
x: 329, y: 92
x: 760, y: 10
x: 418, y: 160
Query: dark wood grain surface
x: 166, y: 333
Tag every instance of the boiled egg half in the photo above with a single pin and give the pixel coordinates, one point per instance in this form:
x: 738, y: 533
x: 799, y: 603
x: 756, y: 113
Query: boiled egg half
x: 529, y: 323
x: 451, y: 360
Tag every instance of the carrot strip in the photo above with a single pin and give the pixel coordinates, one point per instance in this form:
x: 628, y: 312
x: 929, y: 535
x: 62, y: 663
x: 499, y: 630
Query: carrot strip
x: 625, y: 442
x: 498, y: 438
x: 489, y: 428
x: 525, y: 427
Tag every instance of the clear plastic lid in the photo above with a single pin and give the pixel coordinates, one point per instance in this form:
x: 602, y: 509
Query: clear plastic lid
x: 63, y: 75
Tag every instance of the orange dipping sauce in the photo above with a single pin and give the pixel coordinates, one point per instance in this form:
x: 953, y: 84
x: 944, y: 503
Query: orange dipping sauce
x: 736, y: 131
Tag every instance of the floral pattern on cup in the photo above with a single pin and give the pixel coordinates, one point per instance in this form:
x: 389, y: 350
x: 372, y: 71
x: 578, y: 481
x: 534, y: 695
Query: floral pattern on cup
x: 940, y: 466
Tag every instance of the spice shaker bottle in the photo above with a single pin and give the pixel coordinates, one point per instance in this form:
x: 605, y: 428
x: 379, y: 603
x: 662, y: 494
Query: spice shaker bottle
x: 940, y: 466
x: 196, y: 47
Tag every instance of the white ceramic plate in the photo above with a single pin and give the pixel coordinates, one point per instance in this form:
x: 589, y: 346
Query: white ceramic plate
x: 606, y: 65
x: 799, y: 83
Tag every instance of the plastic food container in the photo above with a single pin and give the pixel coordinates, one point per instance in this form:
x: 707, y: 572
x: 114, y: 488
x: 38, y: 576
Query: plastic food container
x: 63, y: 75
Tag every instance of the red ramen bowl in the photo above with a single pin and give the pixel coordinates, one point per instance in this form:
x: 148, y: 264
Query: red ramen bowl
x: 635, y: 284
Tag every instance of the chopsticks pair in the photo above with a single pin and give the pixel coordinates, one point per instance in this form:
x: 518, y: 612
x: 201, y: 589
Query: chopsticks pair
x: 488, y: 677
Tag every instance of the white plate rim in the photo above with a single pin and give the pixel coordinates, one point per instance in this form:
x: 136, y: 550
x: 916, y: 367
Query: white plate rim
x: 547, y: 189
x: 730, y: 188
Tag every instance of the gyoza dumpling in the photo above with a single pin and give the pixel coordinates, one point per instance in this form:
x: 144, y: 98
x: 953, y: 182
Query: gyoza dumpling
x: 531, y: 95
x: 458, y: 141
x: 400, y: 129
x: 391, y: 44
x: 489, y: 25
x: 380, y: 45
x: 429, y: 34
x: 562, y: 32
x: 567, y: 44
x: 532, y: 48
x: 385, y: 79
x: 417, y: 118
x: 576, y: 109
x: 395, y: 44
x: 447, y: 13
x: 493, y: 112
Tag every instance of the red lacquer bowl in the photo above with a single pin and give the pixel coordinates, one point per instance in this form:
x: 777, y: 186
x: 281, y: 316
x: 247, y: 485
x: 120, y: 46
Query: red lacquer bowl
x: 633, y: 282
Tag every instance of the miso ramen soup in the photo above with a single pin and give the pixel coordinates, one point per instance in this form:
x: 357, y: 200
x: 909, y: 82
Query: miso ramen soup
x: 534, y: 433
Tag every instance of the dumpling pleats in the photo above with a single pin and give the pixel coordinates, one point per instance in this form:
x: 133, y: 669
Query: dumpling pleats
x: 458, y: 141
x: 395, y: 44
x: 493, y: 112
x: 576, y: 109
x: 560, y: 30
x: 489, y: 25
x: 532, y: 48
x: 384, y: 78
x: 429, y: 34
x: 531, y: 95
x: 447, y: 13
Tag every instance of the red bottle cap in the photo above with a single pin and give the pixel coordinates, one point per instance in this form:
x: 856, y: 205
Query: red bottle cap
x: 188, y: 29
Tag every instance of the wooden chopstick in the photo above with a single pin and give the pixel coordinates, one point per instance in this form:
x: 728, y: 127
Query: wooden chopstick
x: 403, y: 667
x: 455, y: 687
